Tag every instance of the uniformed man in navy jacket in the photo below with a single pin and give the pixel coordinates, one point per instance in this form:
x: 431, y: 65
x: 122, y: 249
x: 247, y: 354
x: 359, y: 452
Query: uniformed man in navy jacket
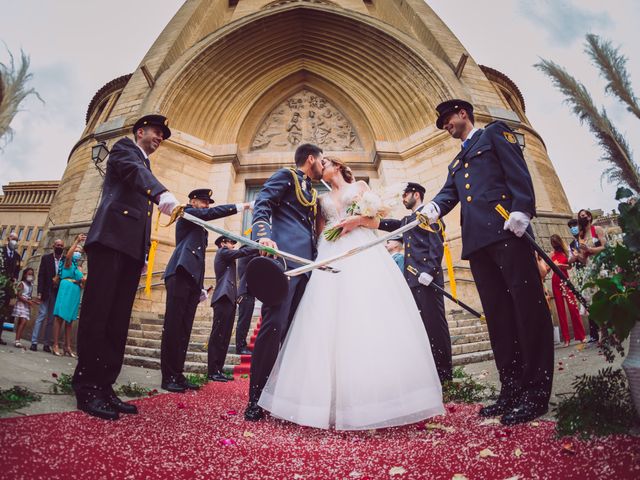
x: 223, y: 302
x: 184, y: 280
x: 116, y: 247
x: 284, y: 217
x: 490, y: 170
x: 423, y: 251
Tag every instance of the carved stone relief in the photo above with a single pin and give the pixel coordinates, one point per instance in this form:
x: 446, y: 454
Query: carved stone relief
x: 306, y: 117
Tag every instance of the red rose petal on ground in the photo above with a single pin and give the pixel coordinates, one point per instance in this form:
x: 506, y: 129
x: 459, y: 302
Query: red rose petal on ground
x: 54, y: 375
x: 231, y: 412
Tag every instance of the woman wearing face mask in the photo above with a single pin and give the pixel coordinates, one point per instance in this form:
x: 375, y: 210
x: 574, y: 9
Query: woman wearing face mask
x: 575, y: 255
x: 592, y: 241
x: 590, y: 238
x: 22, y: 309
x: 560, y: 257
x: 68, y: 300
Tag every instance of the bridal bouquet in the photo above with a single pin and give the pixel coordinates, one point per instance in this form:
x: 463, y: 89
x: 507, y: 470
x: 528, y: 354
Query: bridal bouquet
x: 370, y: 205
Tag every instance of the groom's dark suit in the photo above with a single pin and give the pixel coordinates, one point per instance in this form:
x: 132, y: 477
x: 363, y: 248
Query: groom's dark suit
x: 281, y: 217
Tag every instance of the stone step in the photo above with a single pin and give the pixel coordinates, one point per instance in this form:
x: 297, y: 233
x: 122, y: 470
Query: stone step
x: 472, y: 357
x: 469, y: 338
x: 153, y: 343
x: 470, y: 347
x: 196, y: 357
x: 468, y: 322
x: 154, y: 363
x: 468, y: 330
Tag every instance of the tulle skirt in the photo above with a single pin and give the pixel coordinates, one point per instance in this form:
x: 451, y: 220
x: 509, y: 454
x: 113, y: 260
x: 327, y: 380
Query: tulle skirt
x: 357, y: 355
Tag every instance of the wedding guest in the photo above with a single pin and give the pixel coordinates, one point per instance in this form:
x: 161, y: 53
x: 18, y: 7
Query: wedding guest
x: 223, y: 302
x: 116, y: 247
x: 184, y: 281
x: 575, y: 256
x: 591, y: 240
x: 47, y: 292
x: 560, y: 257
x: 246, y: 303
x: 490, y: 169
x: 394, y: 247
x: 423, y: 254
x: 68, y: 299
x: 10, y: 268
x: 22, y: 308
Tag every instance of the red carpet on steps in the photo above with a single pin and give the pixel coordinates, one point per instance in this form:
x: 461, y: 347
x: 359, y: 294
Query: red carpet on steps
x: 202, y: 435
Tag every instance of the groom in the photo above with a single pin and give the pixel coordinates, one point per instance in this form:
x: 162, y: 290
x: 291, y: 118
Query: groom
x: 284, y: 217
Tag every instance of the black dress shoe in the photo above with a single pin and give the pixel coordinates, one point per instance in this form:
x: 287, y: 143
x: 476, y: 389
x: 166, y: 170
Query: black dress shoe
x: 98, y: 407
x: 244, y: 351
x: 190, y: 386
x: 120, y: 406
x: 253, y: 412
x: 523, y: 413
x: 46, y: 348
x: 34, y: 347
x: 218, y: 377
x: 173, y: 387
x: 501, y: 407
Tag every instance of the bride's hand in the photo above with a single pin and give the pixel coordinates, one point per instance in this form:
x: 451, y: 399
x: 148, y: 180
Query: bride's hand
x: 350, y: 223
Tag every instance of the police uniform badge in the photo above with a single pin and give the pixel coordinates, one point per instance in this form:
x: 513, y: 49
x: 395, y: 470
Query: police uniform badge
x: 510, y: 137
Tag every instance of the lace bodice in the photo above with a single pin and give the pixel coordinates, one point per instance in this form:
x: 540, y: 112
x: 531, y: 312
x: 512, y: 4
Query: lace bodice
x: 333, y: 213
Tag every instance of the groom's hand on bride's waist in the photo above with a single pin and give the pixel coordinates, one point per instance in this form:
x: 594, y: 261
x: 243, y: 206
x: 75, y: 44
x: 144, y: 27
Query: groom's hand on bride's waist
x: 266, y: 242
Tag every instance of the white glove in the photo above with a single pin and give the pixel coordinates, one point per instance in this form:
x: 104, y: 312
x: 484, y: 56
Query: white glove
x: 517, y: 223
x: 167, y: 202
x: 203, y: 295
x: 144, y: 268
x: 431, y: 211
x: 425, y: 279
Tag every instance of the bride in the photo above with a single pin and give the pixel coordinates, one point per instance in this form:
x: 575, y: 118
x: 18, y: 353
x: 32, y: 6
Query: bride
x: 357, y: 355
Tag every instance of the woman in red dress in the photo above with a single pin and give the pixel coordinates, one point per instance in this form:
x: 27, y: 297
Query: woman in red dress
x: 561, y: 293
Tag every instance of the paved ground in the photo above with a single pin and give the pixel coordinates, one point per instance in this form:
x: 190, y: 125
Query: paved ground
x: 34, y: 370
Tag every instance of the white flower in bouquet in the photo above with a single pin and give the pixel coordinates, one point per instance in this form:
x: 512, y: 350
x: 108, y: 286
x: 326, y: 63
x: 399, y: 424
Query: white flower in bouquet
x: 369, y: 205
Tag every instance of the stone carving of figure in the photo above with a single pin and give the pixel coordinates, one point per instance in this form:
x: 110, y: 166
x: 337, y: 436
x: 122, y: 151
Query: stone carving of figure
x: 294, y: 129
x: 319, y: 128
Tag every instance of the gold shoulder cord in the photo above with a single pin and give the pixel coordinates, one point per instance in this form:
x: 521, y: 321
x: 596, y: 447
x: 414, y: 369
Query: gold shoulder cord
x: 300, y: 196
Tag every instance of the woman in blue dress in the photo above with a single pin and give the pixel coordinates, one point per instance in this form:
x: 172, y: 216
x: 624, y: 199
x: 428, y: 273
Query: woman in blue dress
x: 68, y: 300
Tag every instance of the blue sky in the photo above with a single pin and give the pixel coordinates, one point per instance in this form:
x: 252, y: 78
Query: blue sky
x: 73, y: 45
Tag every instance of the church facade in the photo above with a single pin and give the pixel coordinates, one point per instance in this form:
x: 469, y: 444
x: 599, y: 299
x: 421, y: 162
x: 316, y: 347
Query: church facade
x: 244, y: 82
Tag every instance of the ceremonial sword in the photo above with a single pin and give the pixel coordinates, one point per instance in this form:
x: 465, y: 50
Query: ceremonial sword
x: 505, y: 214
x: 321, y: 264
x: 179, y: 212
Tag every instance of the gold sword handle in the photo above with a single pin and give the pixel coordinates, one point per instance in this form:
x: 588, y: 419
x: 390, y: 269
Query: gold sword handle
x: 177, y: 212
x: 502, y: 211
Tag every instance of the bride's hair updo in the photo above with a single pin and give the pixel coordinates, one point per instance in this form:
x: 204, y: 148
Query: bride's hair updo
x: 345, y: 171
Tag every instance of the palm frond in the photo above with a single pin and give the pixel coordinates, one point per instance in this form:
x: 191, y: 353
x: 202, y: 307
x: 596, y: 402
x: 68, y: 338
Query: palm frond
x: 13, y: 91
x: 613, y: 68
x: 616, y: 151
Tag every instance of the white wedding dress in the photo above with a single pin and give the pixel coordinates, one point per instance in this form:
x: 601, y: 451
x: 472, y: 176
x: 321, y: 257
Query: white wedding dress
x: 357, y: 355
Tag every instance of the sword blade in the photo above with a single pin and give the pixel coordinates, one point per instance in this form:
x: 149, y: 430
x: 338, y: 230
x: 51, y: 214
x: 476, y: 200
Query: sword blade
x: 459, y: 302
x: 251, y: 243
x: 325, y: 262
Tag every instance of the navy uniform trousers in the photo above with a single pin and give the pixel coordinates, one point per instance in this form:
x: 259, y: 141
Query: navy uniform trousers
x: 224, y: 311
x: 507, y: 277
x: 183, y: 296
x: 275, y: 324
x: 246, y: 303
x: 104, y: 319
x: 431, y: 306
